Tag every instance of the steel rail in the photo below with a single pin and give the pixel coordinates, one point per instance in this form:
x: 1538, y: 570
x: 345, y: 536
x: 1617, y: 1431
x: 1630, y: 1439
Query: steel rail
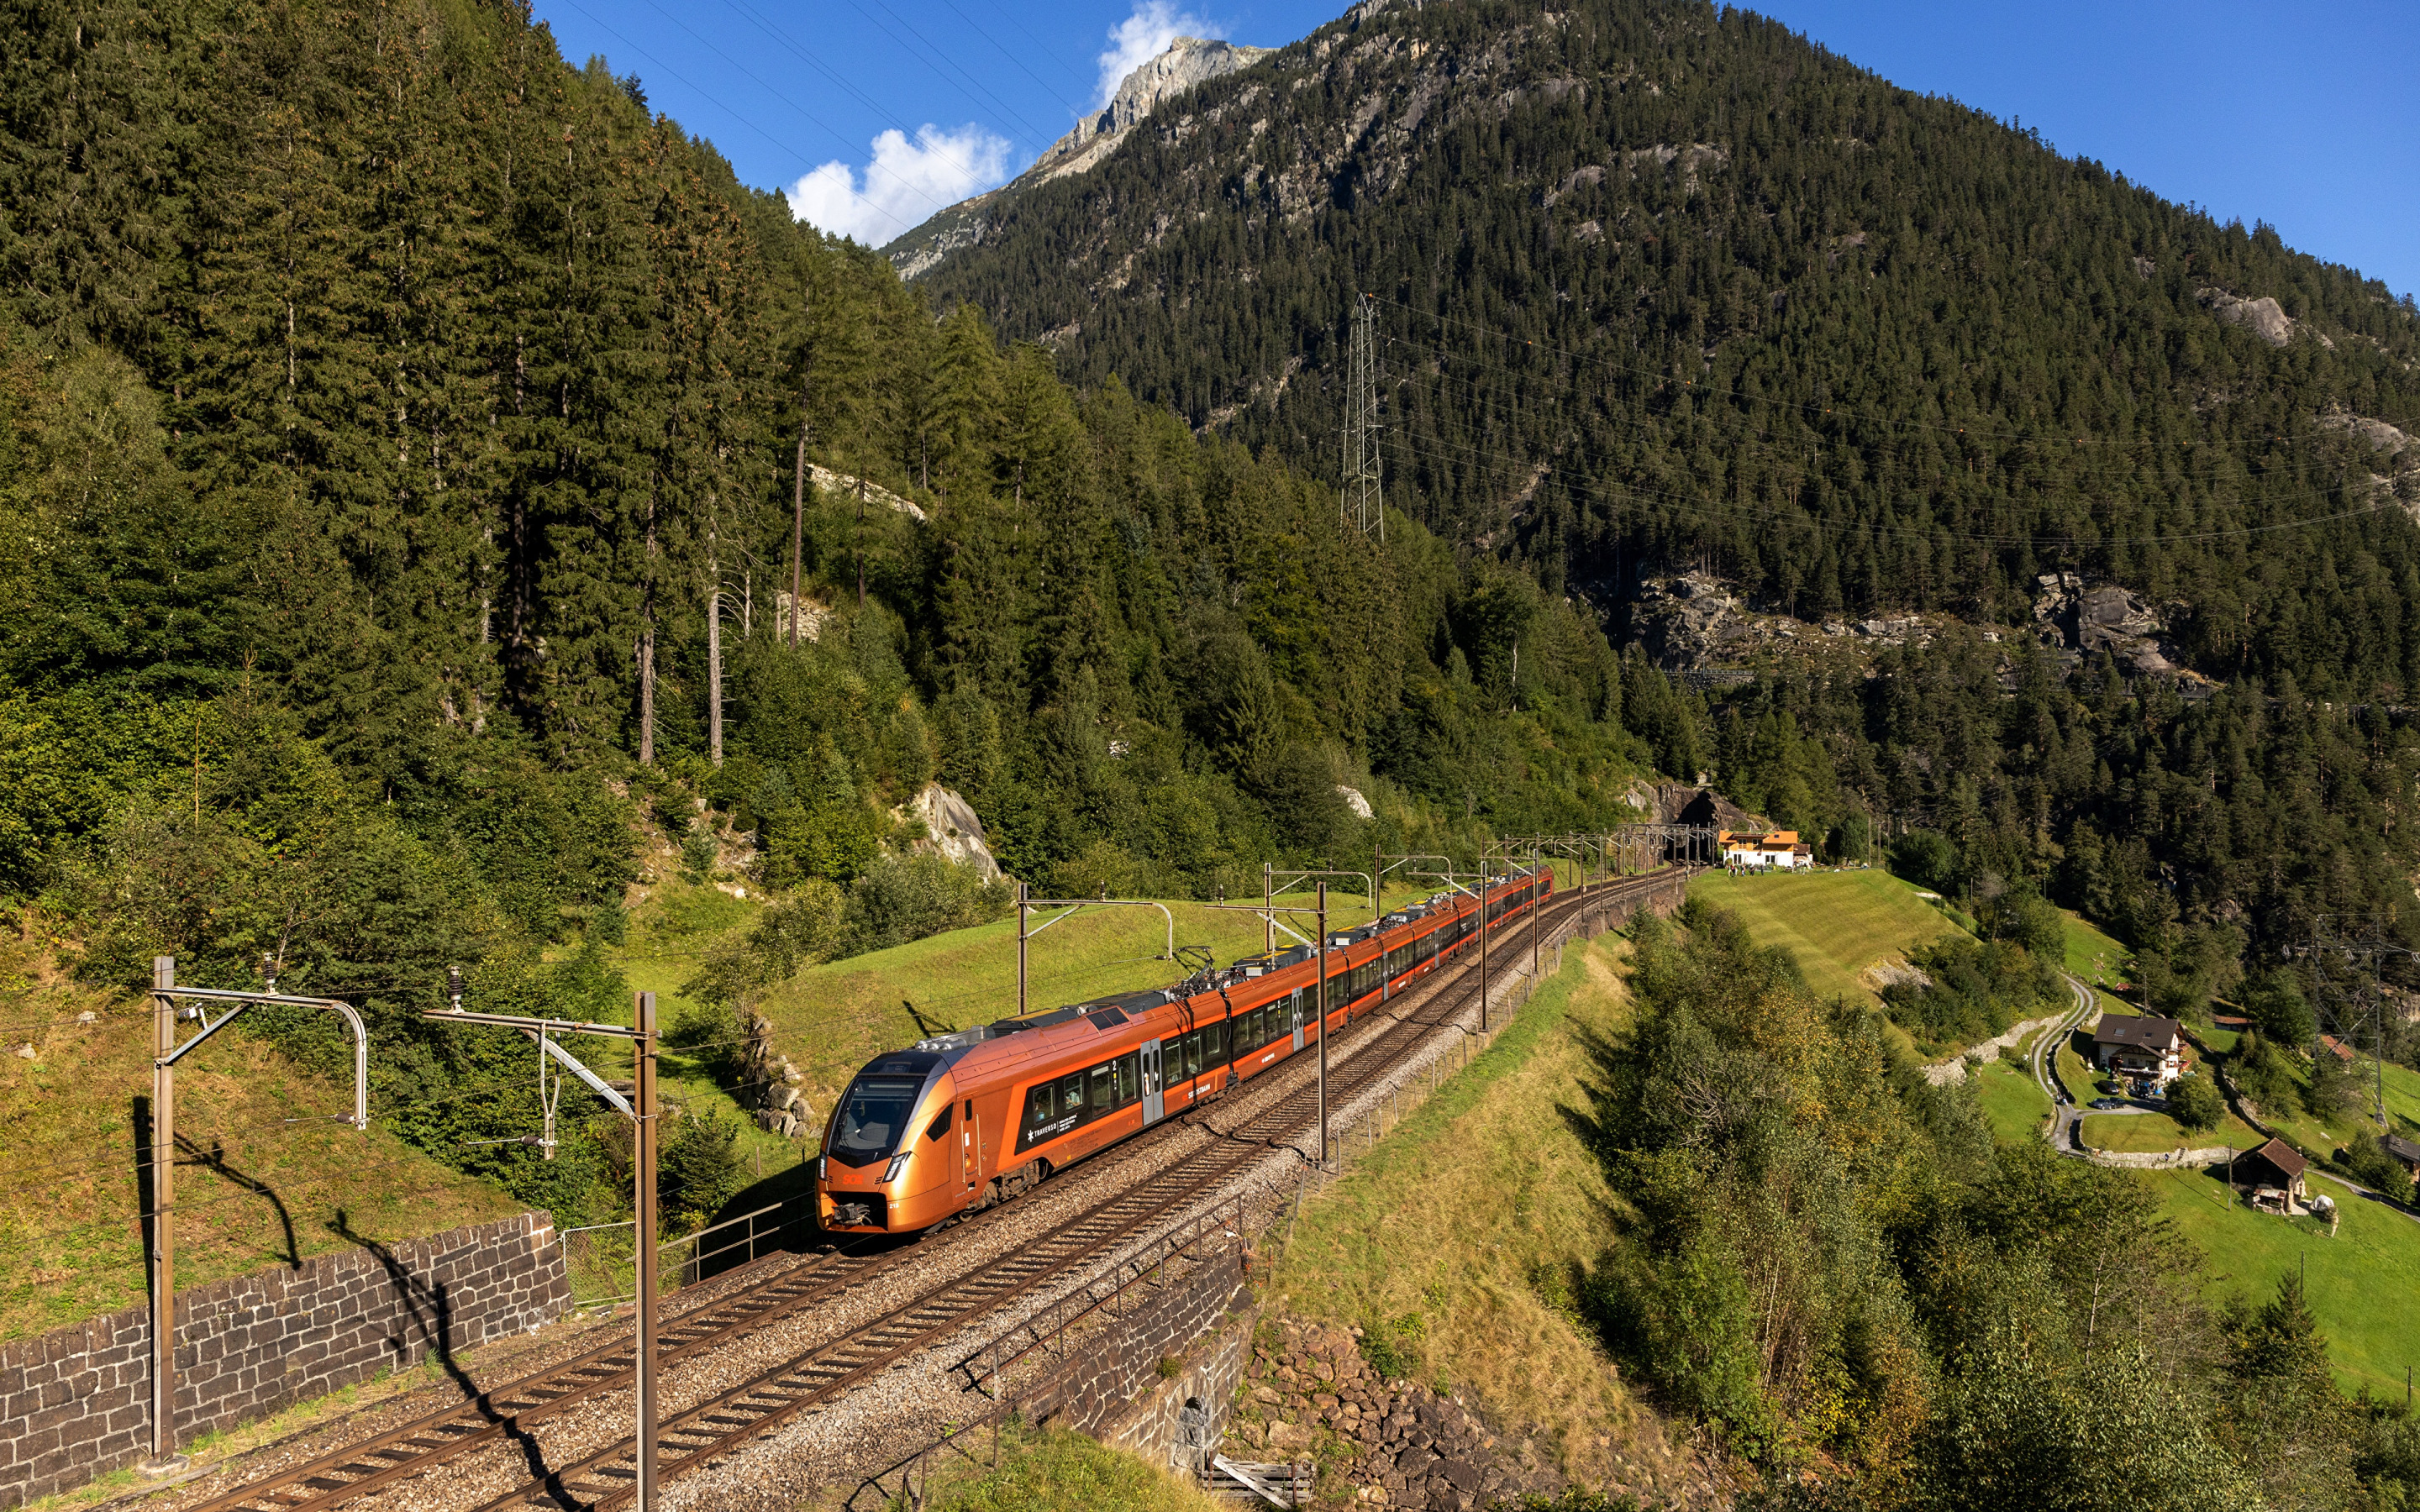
x: 416, y: 1447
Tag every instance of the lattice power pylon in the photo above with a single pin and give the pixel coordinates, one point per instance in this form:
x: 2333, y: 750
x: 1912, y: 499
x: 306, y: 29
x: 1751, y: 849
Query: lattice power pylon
x: 1364, y: 498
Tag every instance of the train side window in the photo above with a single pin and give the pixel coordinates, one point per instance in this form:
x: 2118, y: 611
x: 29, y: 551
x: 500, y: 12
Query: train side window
x: 1041, y: 1104
x: 1193, y: 1056
x: 940, y: 1126
x: 1103, y: 1096
x: 1127, y: 1076
x: 1071, y: 1095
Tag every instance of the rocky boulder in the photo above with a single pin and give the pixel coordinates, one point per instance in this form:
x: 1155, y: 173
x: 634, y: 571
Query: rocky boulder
x: 952, y: 829
x: 1398, y: 1442
x: 1689, y: 622
x: 2085, y: 621
x: 2264, y: 317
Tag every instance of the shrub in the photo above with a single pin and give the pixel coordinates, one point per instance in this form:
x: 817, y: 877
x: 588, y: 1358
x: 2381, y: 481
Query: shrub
x: 2367, y: 1160
x: 2196, y: 1106
x: 699, y: 1170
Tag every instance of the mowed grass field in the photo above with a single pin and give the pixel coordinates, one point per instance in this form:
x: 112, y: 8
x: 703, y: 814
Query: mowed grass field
x: 2156, y: 1134
x: 253, y: 1191
x: 1836, y: 923
x: 2360, y: 1283
x: 1458, y: 1233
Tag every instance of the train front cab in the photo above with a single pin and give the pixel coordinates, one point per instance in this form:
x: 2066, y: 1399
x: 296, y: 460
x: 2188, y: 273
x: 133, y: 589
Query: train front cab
x: 901, y: 1150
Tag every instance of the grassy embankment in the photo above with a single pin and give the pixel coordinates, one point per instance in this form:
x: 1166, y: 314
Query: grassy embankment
x: 1056, y: 1470
x: 252, y: 1190
x: 1457, y: 1234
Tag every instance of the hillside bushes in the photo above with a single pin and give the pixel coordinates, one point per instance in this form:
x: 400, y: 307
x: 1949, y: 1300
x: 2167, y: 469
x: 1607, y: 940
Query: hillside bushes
x: 1977, y: 990
x: 1826, y: 1260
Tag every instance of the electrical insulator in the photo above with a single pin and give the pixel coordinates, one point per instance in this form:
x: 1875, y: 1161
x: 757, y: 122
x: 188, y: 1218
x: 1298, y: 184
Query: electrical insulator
x: 454, y: 986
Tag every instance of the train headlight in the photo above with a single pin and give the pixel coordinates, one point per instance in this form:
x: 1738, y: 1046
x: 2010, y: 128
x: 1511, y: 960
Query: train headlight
x: 898, y: 1167
x: 820, y: 1161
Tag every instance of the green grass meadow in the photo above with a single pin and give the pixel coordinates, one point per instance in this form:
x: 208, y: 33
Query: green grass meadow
x: 1836, y: 923
x: 2156, y: 1134
x: 2011, y: 1100
x: 2360, y: 1283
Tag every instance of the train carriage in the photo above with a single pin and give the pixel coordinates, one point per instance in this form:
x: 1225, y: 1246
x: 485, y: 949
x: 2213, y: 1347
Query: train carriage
x: 958, y: 1121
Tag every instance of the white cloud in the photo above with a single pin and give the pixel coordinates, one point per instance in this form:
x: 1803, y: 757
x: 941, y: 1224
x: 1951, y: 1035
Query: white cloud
x: 1142, y: 36
x: 906, y: 184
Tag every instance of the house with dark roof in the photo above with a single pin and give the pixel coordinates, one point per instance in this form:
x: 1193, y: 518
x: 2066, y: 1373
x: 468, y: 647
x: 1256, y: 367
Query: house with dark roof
x: 2273, y: 1175
x: 2145, y: 1050
x: 2406, y: 1151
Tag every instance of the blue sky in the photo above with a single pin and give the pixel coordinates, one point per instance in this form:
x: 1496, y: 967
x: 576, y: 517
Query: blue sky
x: 873, y: 114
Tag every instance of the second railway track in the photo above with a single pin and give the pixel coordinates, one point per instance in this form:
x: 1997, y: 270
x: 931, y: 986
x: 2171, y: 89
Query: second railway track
x: 722, y: 1425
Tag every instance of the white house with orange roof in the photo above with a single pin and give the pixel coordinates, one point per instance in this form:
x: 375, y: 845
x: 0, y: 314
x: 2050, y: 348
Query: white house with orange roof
x: 1778, y: 850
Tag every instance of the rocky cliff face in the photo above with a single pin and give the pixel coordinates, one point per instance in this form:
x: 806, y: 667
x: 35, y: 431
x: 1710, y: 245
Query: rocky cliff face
x: 1188, y: 62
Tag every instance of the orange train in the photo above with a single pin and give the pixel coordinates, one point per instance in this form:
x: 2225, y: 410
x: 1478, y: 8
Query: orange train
x: 959, y: 1121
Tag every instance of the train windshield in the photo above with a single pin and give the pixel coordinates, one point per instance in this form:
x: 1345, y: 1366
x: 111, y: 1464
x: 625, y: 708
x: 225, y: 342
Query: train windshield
x: 872, y: 1117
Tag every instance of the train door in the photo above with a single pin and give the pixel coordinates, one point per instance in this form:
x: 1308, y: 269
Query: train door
x: 1155, y: 1104
x: 1298, y: 1018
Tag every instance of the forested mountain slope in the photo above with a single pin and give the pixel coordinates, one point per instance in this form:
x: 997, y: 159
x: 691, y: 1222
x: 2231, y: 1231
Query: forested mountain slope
x: 402, y: 435
x: 1661, y: 289
x: 1661, y: 285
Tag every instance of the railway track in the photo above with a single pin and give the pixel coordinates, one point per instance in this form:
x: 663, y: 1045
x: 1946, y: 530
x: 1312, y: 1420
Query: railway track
x: 715, y: 1428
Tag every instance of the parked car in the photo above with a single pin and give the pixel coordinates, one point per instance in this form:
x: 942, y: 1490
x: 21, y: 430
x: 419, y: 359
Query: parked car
x: 2106, y: 1103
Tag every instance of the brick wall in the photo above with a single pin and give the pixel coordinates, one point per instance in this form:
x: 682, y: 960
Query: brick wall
x: 77, y: 1401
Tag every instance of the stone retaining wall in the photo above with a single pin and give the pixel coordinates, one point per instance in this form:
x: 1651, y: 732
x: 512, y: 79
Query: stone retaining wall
x: 1210, y: 1374
x: 1945, y: 1072
x: 1111, y: 1364
x: 77, y: 1401
x: 2158, y: 1160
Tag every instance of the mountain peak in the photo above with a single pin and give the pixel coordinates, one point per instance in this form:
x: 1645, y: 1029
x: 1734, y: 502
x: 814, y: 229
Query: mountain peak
x: 1187, y: 61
